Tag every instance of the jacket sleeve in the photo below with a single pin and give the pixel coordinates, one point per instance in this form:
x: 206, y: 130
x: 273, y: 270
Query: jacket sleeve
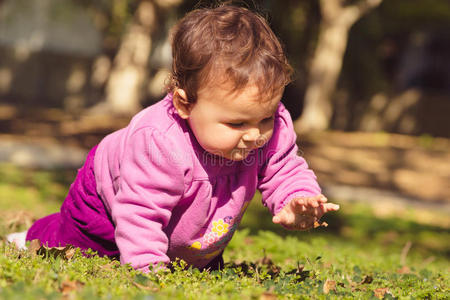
x: 283, y: 174
x: 151, y: 184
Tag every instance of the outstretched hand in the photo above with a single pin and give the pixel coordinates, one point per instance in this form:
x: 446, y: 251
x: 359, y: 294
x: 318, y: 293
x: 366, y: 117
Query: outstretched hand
x: 303, y: 213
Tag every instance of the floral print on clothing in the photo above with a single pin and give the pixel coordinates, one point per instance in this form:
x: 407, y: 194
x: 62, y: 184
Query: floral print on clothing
x: 220, y: 234
x: 228, y: 219
x: 220, y: 227
x: 210, y: 238
x: 196, y: 245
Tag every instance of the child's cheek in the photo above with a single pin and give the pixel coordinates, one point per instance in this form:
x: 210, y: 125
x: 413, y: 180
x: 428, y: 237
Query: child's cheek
x: 226, y: 139
x: 264, y: 139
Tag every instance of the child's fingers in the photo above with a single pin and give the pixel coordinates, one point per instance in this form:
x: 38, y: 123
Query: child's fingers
x: 301, y: 213
x: 300, y: 205
x: 299, y: 222
x: 315, y: 201
x: 297, y: 206
x: 322, y: 198
x: 280, y: 217
x: 293, y: 221
x: 319, y: 211
x: 312, y: 201
x: 305, y: 206
x: 300, y: 208
x: 283, y: 217
x: 330, y: 207
x: 298, y: 202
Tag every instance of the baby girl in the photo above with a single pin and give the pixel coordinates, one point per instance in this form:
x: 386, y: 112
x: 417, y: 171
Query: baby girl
x: 176, y: 181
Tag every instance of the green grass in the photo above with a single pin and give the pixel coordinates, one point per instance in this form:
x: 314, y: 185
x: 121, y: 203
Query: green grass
x: 359, y: 255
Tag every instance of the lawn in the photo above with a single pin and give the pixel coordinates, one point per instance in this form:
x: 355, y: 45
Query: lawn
x: 359, y: 255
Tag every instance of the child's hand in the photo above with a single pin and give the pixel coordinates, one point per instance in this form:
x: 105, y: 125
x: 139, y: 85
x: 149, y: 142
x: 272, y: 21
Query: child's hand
x: 301, y: 213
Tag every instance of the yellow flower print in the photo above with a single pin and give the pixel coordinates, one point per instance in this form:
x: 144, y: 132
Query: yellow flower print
x: 220, y: 227
x: 196, y: 245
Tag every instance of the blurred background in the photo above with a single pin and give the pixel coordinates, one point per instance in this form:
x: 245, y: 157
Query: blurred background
x: 370, y: 99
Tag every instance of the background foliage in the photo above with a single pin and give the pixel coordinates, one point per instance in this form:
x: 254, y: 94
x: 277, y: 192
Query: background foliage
x: 397, y: 47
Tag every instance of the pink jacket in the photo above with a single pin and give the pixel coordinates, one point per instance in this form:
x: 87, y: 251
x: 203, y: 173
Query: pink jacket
x: 169, y: 199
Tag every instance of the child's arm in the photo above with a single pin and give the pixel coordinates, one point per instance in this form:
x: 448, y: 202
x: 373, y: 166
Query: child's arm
x: 289, y: 188
x: 151, y: 184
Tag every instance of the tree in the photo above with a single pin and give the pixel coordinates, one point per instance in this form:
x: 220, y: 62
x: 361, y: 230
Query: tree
x: 129, y: 71
x: 128, y: 76
x: 337, y: 19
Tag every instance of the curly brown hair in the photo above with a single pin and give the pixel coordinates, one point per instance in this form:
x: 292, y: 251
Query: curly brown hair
x: 227, y: 43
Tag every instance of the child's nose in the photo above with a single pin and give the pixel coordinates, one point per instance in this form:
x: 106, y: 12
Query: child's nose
x: 251, y: 135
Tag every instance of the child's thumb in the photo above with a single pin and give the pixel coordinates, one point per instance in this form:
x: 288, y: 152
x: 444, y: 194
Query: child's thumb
x: 276, y: 219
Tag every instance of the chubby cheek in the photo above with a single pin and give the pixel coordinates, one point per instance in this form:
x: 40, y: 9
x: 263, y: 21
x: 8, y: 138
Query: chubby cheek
x: 265, y: 137
x: 217, y: 139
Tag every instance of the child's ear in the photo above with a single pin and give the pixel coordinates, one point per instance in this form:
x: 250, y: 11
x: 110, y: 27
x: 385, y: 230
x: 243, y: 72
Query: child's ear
x: 181, y: 103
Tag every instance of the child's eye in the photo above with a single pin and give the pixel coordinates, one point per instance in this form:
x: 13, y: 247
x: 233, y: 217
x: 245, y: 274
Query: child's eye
x: 236, y: 125
x: 266, y: 120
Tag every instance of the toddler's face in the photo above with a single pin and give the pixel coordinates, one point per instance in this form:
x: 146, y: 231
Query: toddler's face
x: 232, y: 124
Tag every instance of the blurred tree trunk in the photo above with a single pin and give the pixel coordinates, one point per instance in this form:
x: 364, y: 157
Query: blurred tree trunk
x: 129, y: 70
x: 337, y: 19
